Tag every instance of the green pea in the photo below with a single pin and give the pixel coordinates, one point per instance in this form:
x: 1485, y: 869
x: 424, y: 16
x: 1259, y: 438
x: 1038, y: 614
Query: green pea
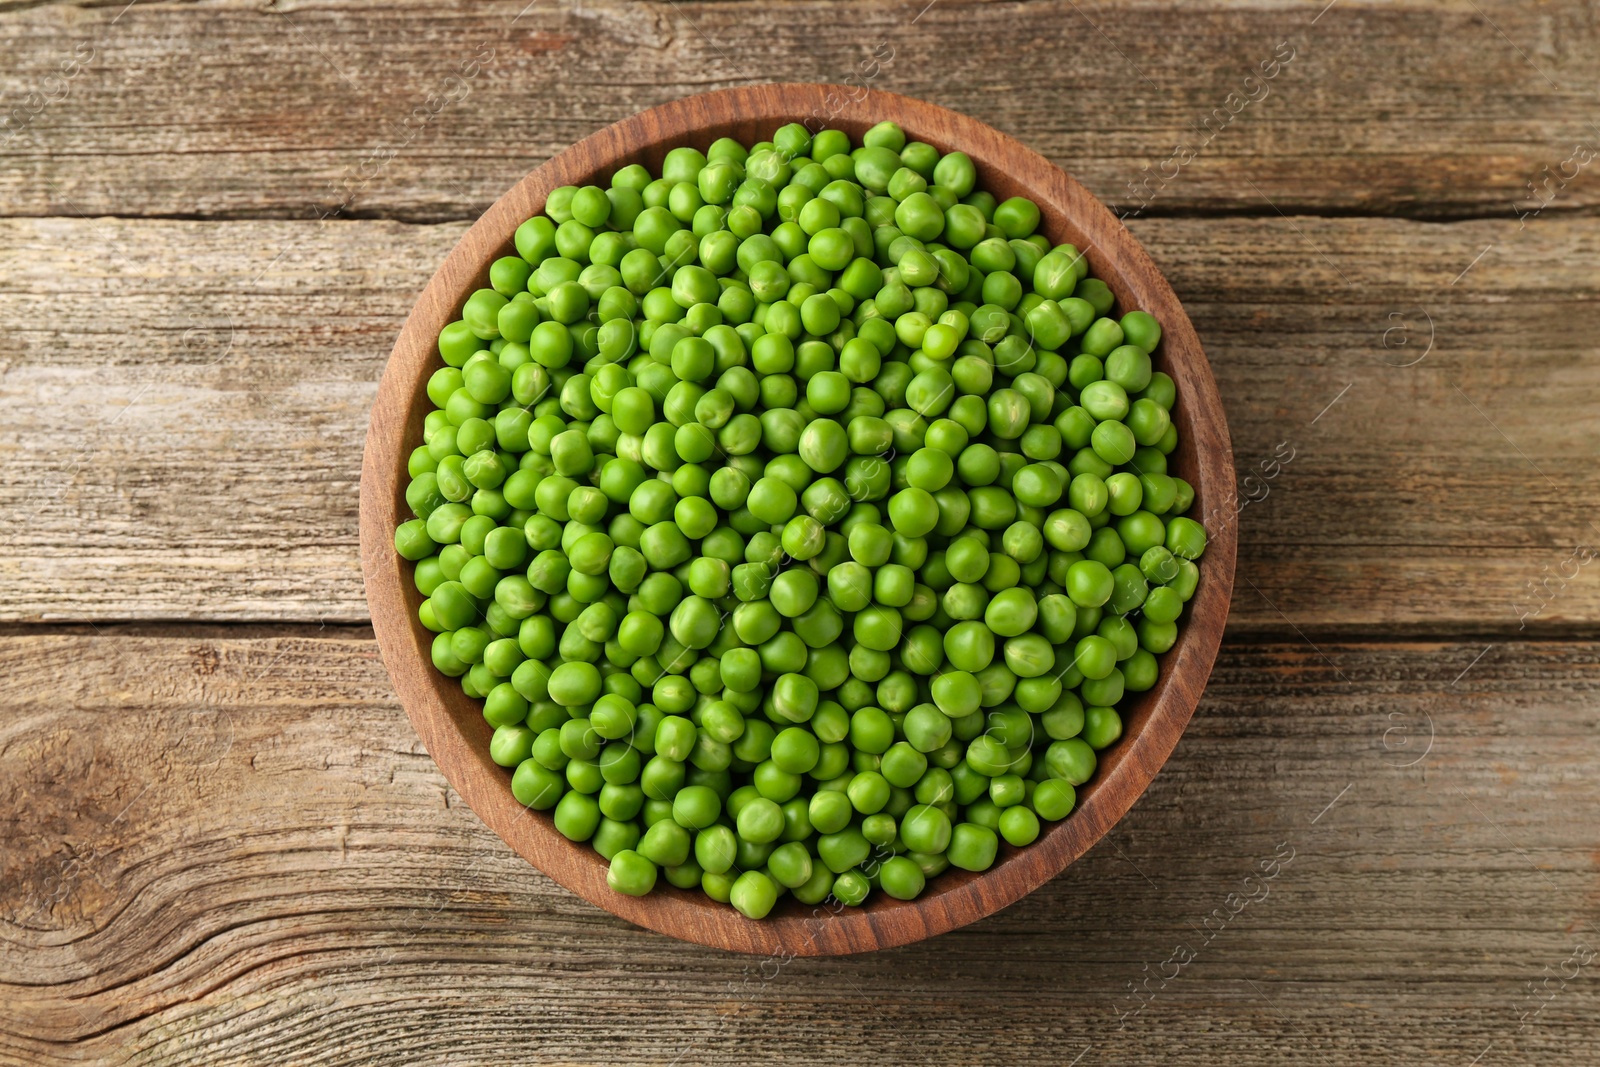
x: 1186, y: 539
x: 1017, y: 217
x: 901, y: 878
x: 1071, y: 760
x: 969, y: 646
x: 577, y: 816
x: 972, y: 847
x: 902, y: 765
x: 795, y: 750
x: 754, y: 895
x: 536, y: 786
x: 851, y: 888
x: 1019, y: 826
x: 1102, y: 727
x: 1102, y: 336
x: 1129, y: 591
x: 1053, y: 799
x: 1140, y: 328
x: 1184, y: 497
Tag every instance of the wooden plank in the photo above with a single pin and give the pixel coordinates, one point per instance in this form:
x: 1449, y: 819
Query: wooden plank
x: 181, y: 422
x: 408, y: 111
x: 221, y: 849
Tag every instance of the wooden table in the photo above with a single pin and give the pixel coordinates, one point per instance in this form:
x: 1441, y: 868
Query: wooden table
x: 223, y: 843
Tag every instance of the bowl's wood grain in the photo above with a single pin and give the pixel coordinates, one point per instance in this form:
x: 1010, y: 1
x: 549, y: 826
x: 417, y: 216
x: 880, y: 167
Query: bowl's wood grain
x: 452, y: 726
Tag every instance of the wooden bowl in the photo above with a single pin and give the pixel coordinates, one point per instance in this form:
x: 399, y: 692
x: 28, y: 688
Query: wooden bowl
x: 452, y: 726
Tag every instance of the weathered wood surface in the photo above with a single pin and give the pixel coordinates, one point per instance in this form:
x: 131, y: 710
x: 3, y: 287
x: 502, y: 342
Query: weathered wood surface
x: 362, y: 914
x: 223, y: 843
x: 183, y: 406
x: 411, y: 111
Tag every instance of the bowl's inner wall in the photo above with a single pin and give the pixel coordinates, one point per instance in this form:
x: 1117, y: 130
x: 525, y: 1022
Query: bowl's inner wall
x: 467, y: 713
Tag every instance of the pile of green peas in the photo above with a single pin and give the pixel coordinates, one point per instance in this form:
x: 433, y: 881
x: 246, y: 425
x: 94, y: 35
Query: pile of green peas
x: 801, y: 517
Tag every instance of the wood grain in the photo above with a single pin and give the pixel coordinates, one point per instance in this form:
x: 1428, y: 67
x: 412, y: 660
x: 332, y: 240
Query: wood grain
x: 451, y: 725
x: 225, y: 845
x: 152, y: 471
x: 232, y: 850
x: 428, y: 112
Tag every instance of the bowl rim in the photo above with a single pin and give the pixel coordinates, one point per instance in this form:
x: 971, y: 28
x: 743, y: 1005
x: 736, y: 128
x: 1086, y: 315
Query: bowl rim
x: 450, y: 725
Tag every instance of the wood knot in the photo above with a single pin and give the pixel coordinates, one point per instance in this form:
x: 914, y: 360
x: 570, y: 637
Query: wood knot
x: 205, y: 660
